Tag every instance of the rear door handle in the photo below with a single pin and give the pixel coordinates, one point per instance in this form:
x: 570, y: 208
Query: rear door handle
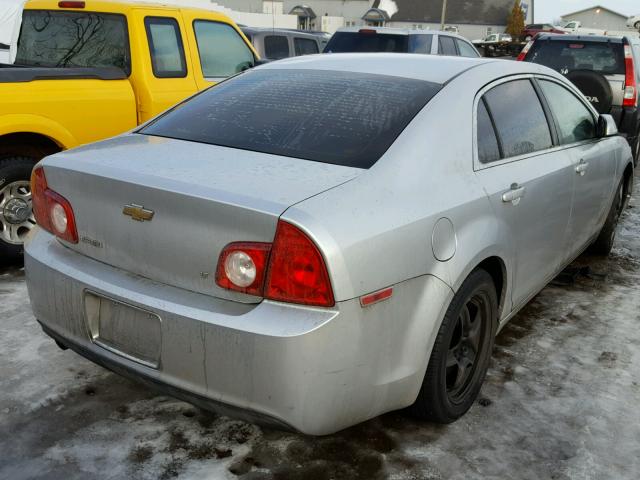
x: 582, y: 167
x: 514, y: 195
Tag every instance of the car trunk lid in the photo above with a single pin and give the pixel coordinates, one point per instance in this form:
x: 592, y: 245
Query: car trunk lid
x: 164, y: 209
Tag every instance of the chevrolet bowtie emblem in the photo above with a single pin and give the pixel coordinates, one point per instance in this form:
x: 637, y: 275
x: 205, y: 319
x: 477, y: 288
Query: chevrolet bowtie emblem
x: 138, y: 212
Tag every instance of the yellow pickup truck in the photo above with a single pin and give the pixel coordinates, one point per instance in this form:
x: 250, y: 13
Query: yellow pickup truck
x: 88, y: 70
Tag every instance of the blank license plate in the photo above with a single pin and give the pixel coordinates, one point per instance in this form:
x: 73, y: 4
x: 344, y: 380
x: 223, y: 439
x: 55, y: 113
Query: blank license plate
x: 126, y: 330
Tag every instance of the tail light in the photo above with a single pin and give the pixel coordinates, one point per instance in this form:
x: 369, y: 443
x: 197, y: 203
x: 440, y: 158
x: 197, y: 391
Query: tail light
x: 630, y: 87
x: 367, y: 31
x: 524, y: 51
x: 71, y: 4
x: 242, y: 267
x: 291, y: 269
x: 53, y: 212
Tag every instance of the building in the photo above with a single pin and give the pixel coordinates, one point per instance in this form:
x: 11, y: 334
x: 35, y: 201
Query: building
x: 598, y: 17
x: 472, y: 18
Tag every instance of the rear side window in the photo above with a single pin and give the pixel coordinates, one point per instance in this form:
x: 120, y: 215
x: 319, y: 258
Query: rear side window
x: 565, y: 56
x: 519, y: 118
x: 367, y: 41
x: 488, y: 148
x: 287, y: 112
x: 574, y: 119
x: 73, y: 39
x: 305, y: 46
x: 446, y: 46
x: 222, y: 50
x: 420, y: 43
x: 165, y: 45
x: 276, y: 47
x: 465, y: 49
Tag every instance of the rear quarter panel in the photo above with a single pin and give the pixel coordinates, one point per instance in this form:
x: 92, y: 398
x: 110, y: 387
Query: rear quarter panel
x: 71, y: 112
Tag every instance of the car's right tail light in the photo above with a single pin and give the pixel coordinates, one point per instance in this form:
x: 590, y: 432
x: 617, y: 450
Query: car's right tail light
x: 53, y: 212
x: 291, y: 269
x: 524, y: 51
x: 630, y: 85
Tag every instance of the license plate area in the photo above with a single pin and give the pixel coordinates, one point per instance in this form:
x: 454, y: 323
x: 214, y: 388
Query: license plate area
x: 128, y: 331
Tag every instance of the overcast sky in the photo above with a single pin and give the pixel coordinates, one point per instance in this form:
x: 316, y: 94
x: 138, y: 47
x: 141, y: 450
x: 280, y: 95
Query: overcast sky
x: 548, y: 10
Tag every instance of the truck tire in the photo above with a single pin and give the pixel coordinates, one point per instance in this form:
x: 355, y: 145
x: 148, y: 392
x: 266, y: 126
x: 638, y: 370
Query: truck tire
x: 461, y: 353
x: 16, y: 217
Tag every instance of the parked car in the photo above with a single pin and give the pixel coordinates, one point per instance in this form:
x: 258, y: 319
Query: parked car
x: 634, y: 22
x: 274, y: 44
x: 318, y: 259
x: 605, y: 69
x: 530, y: 31
x: 90, y: 71
x: 494, y: 38
x: 576, y: 28
x: 399, y: 40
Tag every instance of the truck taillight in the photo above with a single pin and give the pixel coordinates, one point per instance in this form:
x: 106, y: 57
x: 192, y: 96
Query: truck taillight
x: 291, y: 269
x: 71, y: 4
x: 524, y: 51
x: 53, y: 212
x: 630, y: 85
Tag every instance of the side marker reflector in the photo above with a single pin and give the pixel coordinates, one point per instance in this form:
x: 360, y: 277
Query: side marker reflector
x: 376, y: 297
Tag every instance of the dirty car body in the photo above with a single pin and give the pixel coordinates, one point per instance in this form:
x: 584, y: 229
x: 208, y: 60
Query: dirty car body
x: 385, y: 180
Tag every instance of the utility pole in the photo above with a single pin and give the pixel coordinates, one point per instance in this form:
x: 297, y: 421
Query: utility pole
x: 444, y: 14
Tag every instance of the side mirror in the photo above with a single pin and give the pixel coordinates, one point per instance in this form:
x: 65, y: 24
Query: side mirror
x: 607, y: 126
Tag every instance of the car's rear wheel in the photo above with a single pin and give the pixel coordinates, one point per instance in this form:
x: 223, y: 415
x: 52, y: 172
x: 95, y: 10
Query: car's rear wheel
x: 637, y: 25
x: 16, y: 216
x: 604, y: 242
x: 461, y: 353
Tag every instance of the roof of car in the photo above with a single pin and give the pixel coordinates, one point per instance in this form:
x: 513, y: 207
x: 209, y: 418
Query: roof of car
x: 431, y: 68
x: 401, y: 31
x: 580, y: 38
x: 280, y: 31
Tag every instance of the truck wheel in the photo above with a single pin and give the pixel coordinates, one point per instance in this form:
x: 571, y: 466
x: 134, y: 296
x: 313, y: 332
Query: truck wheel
x: 461, y: 353
x: 604, y: 242
x: 16, y: 217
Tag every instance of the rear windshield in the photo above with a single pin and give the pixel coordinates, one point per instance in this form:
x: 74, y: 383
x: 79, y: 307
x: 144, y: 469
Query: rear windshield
x: 344, y: 42
x: 342, y: 118
x: 73, y: 39
x: 566, y: 56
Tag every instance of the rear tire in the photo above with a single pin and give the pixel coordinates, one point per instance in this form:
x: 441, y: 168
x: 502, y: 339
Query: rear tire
x: 15, y: 173
x: 461, y: 353
x: 606, y: 238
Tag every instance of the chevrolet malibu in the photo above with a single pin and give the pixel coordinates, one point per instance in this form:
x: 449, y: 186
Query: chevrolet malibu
x: 323, y: 239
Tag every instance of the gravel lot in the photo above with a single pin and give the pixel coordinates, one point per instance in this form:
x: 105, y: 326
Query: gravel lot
x: 560, y: 401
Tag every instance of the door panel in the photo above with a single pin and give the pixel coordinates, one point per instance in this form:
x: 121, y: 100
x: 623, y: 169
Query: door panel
x: 156, y: 91
x: 537, y: 215
x: 593, y: 164
x: 528, y: 180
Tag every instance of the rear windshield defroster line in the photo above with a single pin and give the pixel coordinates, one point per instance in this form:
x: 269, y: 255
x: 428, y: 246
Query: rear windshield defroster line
x: 341, y: 118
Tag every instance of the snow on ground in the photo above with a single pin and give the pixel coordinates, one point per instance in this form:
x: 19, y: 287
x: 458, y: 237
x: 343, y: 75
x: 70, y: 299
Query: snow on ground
x: 560, y: 401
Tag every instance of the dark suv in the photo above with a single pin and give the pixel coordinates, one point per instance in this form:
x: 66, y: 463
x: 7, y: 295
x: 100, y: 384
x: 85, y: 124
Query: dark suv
x: 605, y: 69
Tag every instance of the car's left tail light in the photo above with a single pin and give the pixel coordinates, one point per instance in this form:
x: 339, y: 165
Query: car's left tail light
x: 630, y: 84
x: 525, y: 50
x: 53, y: 212
x: 291, y: 269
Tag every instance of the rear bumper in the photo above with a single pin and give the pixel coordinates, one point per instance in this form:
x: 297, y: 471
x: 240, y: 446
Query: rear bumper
x: 309, y: 369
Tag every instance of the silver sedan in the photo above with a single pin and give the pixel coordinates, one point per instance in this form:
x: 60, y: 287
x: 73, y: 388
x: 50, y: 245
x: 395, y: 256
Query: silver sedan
x: 323, y: 239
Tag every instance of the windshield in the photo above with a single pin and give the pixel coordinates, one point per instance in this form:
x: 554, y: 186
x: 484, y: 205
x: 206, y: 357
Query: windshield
x: 73, y: 39
x: 564, y: 56
x: 342, y: 118
x: 367, y: 42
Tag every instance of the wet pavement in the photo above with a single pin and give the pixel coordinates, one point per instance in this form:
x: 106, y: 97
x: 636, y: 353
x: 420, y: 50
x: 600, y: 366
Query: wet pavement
x: 560, y: 402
